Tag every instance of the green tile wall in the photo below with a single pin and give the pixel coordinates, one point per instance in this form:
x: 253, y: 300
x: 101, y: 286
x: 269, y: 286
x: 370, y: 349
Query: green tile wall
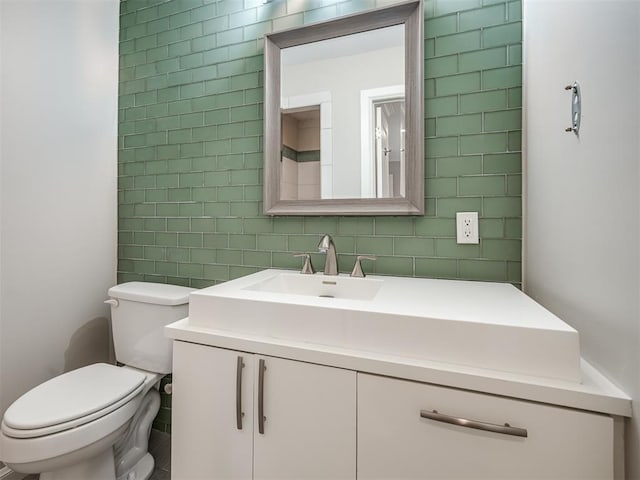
x: 190, y: 146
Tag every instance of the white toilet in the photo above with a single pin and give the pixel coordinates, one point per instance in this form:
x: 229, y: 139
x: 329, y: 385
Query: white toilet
x: 94, y: 423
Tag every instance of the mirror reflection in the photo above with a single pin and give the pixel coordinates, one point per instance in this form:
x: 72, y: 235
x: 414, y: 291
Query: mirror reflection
x: 343, y: 117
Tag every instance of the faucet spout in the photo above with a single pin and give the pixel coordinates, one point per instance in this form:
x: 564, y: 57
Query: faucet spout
x: 327, y: 246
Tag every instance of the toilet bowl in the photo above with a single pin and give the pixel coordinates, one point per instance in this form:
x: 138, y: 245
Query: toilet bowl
x: 94, y: 422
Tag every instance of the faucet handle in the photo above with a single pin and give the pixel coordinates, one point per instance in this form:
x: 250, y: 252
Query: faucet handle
x: 357, y: 268
x: 307, y: 268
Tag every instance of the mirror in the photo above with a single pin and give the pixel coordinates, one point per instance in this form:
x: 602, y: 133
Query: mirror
x: 344, y: 116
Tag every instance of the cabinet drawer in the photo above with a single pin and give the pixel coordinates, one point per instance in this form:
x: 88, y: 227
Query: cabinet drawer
x: 396, y: 442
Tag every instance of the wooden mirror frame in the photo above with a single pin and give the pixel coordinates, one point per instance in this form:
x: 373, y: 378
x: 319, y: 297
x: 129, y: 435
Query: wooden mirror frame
x: 408, y: 14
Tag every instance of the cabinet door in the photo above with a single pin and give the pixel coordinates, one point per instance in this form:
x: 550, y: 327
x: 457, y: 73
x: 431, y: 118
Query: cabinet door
x: 394, y: 442
x: 310, y: 425
x: 206, y: 442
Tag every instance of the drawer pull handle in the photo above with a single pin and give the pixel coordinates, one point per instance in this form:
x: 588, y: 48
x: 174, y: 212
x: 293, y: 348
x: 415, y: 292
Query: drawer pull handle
x: 239, y: 414
x: 261, y: 418
x: 505, y: 429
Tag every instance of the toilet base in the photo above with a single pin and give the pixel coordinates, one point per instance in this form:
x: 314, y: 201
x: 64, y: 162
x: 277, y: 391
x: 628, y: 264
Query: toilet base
x: 100, y: 467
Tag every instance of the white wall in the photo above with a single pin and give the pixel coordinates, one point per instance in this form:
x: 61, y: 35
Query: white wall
x: 58, y: 148
x: 582, y: 206
x: 363, y: 71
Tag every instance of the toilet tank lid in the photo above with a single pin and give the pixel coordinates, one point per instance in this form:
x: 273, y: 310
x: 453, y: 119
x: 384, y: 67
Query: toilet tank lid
x: 156, y: 293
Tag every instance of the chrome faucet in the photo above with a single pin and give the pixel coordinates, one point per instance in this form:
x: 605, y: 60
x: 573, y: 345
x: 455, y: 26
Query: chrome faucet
x: 327, y: 246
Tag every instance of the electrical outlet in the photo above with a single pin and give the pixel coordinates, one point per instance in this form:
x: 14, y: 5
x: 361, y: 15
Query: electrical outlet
x: 467, y: 227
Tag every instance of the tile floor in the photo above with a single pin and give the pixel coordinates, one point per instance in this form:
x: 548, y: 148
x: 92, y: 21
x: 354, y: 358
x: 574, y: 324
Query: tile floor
x: 160, y: 448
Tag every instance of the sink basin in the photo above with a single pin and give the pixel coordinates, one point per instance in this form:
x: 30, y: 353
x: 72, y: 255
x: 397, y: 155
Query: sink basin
x: 480, y: 324
x: 319, y: 286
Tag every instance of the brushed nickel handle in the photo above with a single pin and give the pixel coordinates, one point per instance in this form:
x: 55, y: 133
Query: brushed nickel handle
x: 239, y: 414
x: 261, y: 418
x: 307, y: 268
x: 505, y: 429
x: 357, y: 267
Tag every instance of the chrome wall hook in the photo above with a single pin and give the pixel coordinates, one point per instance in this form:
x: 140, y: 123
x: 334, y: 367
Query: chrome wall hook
x: 576, y: 107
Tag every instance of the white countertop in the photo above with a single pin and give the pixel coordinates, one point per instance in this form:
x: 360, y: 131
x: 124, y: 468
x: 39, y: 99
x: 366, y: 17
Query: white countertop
x: 595, y: 393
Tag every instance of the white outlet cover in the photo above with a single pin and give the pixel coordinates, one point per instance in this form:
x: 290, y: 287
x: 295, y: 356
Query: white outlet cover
x: 467, y: 227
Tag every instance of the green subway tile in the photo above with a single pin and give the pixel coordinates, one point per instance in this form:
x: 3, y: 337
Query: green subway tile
x: 229, y: 225
x: 215, y: 179
x: 147, y: 238
x: 144, y: 266
x: 179, y: 194
x: 402, y: 266
x: 441, y: 187
x: 166, y: 268
x: 217, y: 209
x: 514, y: 10
x: 178, y: 224
x: 502, y: 77
x: 486, y: 270
x: 515, y: 141
x: 228, y: 37
x: 482, y: 17
x: 503, y: 120
x: 435, y: 227
x: 438, y: 106
x: 244, y: 49
x: 190, y: 120
x: 491, y: 228
x: 272, y: 242
x: 514, y: 184
x: 247, y: 112
x: 513, y: 228
x: 204, y: 194
x: 515, y: 97
x: 394, y: 226
x: 514, y: 272
x: 206, y: 133
x: 244, y: 145
x: 288, y: 225
x: 483, y: 59
x: 448, y: 247
x: 244, y: 81
x: 502, y: 35
x: 178, y: 49
x: 191, y: 209
x: 447, y: 207
x: 500, y: 249
x: 502, y: 163
x: 230, y: 257
x: 482, y: 185
x: 502, y: 206
x: 242, y: 241
x: 237, y: 271
x: 131, y: 252
x: 289, y: 21
x: 202, y: 255
x: 484, y: 143
x: 459, y: 124
x: 454, y: 166
x: 216, y: 272
x: 167, y: 209
x: 484, y: 101
x: 441, y: 147
x: 190, y: 270
x: 180, y: 136
x: 190, y: 239
x: 455, y: 84
x: 441, y: 66
x: 230, y: 194
x: 192, y: 61
x: 303, y: 243
x: 320, y: 225
x: 216, y: 240
x: 230, y: 130
x: 430, y: 127
x: 416, y: 247
x: 191, y: 31
x: 374, y: 245
x: 435, y: 27
x: 203, y: 13
x: 436, y: 267
x: 145, y: 210
x: 444, y: 7
x: 257, y: 259
x: 245, y: 209
x: 459, y: 42
x: 217, y: 147
x: 166, y: 239
x: 515, y: 54
x: 154, y: 253
x: 206, y: 42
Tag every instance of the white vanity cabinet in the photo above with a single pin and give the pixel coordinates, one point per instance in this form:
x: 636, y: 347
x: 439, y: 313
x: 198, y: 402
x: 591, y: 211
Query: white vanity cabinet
x: 395, y: 442
x: 309, y: 412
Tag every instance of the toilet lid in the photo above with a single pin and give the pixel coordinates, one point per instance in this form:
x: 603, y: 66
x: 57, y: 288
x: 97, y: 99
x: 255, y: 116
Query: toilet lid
x: 72, y: 396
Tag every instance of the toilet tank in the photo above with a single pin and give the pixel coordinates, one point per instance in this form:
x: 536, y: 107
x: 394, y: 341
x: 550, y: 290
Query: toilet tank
x: 139, y: 312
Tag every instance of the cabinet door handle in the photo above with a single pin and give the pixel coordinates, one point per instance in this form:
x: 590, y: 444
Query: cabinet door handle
x: 505, y: 429
x: 239, y: 367
x: 261, y: 368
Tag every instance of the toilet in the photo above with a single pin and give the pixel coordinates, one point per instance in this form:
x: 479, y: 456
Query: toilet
x: 93, y: 423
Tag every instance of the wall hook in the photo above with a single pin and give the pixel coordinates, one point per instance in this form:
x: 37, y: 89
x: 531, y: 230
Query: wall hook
x: 576, y: 106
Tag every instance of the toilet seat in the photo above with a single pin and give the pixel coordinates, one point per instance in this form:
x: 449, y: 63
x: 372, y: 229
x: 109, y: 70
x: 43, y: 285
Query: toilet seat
x: 71, y: 400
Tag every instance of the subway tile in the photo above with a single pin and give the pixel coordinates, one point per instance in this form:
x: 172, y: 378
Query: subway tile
x: 445, y: 7
x: 479, y: 269
x: 459, y: 42
x: 502, y: 206
x: 459, y: 124
x: 457, y: 84
x: 502, y: 163
x: 454, y: 166
x: 503, y: 120
x: 394, y: 265
x: 441, y: 66
x: 483, y: 59
x: 448, y: 247
x: 484, y: 143
x: 436, y: 267
x: 416, y: 247
x: 502, y: 35
x: 441, y: 187
x: 447, y: 207
x: 502, y: 77
x: 394, y: 226
x: 483, y: 101
x: 435, y: 227
x: 482, y: 185
x: 482, y: 17
x: 438, y: 106
x: 442, y: 25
